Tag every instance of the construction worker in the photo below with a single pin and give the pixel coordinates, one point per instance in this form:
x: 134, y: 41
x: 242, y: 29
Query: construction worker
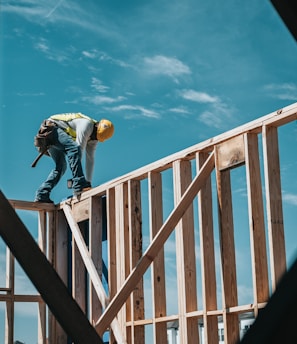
x: 74, y: 134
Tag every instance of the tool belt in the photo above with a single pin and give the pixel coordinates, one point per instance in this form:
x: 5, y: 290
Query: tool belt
x: 44, y: 139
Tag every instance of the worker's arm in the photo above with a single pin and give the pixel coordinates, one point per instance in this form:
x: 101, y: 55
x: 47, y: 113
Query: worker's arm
x: 84, y: 129
x: 90, y: 159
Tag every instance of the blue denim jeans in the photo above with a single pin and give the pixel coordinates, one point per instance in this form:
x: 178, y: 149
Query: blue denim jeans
x: 64, y: 146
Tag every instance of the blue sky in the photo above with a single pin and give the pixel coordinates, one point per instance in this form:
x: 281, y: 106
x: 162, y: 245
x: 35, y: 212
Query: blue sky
x: 168, y: 73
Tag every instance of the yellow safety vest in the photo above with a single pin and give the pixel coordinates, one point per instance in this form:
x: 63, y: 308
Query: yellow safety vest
x: 67, y: 117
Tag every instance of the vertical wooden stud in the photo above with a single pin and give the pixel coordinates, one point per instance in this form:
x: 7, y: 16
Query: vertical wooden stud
x: 135, y: 226
x: 274, y: 204
x: 78, y: 273
x: 185, y: 255
x: 229, y: 281
x: 61, y: 244
x: 122, y: 239
x: 42, y: 243
x: 209, y: 287
x: 158, y: 269
x: 256, y: 221
x: 95, y: 249
x: 112, y: 247
x: 9, y: 309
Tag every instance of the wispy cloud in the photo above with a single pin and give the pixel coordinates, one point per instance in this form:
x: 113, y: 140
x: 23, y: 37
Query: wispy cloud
x: 290, y: 198
x: 168, y: 66
x: 72, y: 13
x: 133, y: 111
x: 217, y: 115
x: 95, y: 54
x: 180, y: 110
x: 43, y: 46
x: 54, y: 9
x: 99, y: 100
x: 199, y: 97
x: 98, y: 86
x: 285, y: 91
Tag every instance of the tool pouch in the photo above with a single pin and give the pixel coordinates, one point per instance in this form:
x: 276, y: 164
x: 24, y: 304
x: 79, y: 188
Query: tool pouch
x: 45, y: 136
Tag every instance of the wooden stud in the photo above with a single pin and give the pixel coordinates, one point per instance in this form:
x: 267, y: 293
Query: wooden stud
x: 95, y: 249
x: 228, y: 262
x: 42, y: 242
x: 208, y: 273
x: 185, y: 255
x: 158, y: 266
x: 112, y: 249
x: 256, y: 221
x: 274, y: 204
x: 10, y: 286
x: 135, y: 231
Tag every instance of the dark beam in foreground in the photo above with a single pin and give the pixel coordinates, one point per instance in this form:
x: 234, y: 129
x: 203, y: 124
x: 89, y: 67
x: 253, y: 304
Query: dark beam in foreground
x: 287, y: 10
x: 276, y: 323
x: 44, y: 277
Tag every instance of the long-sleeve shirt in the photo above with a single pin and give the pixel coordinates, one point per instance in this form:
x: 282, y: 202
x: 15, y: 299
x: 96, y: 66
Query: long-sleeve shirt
x: 83, y: 128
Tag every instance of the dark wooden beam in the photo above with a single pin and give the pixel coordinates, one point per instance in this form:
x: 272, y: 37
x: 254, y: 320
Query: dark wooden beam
x: 44, y: 277
x: 287, y: 9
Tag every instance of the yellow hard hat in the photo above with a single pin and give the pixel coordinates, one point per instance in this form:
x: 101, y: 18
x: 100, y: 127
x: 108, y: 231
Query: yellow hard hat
x: 105, y: 130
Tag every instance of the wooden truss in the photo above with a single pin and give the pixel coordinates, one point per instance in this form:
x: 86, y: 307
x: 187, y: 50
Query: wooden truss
x: 89, y: 310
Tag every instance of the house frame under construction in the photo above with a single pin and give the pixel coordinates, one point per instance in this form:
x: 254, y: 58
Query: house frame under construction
x: 134, y: 213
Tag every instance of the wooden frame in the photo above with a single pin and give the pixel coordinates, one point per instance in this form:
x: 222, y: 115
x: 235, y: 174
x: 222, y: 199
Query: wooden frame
x: 122, y: 309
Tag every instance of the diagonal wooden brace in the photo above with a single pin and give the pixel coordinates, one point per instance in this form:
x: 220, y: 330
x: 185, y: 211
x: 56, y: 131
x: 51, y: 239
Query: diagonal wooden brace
x: 89, y: 264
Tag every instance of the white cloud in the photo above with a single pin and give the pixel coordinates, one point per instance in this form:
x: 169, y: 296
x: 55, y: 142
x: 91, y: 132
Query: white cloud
x: 168, y: 66
x: 180, y: 110
x: 199, y: 97
x: 97, y: 85
x: 285, y: 91
x: 98, y: 100
x: 52, y: 54
x: 290, y: 198
x: 133, y: 111
x: 95, y: 54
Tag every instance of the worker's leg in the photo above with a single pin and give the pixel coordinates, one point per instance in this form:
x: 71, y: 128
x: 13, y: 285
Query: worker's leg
x: 43, y: 193
x: 73, y: 153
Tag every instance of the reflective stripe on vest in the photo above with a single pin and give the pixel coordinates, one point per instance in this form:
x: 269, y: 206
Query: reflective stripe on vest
x: 67, y: 117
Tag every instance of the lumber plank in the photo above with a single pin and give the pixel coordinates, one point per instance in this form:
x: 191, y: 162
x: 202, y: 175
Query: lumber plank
x: 185, y: 256
x: 42, y: 242
x: 9, y: 309
x: 207, y: 253
x: 121, y: 194
x: 274, y: 204
x: 44, y: 277
x: 135, y: 239
x: 95, y: 248
x: 256, y: 220
x: 155, y: 246
x: 228, y: 262
x: 158, y: 266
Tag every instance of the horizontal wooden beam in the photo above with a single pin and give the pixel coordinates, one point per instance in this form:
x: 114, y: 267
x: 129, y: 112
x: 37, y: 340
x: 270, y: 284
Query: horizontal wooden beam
x: 35, y: 206
x: 157, y: 243
x: 44, y: 277
x: 276, y: 118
